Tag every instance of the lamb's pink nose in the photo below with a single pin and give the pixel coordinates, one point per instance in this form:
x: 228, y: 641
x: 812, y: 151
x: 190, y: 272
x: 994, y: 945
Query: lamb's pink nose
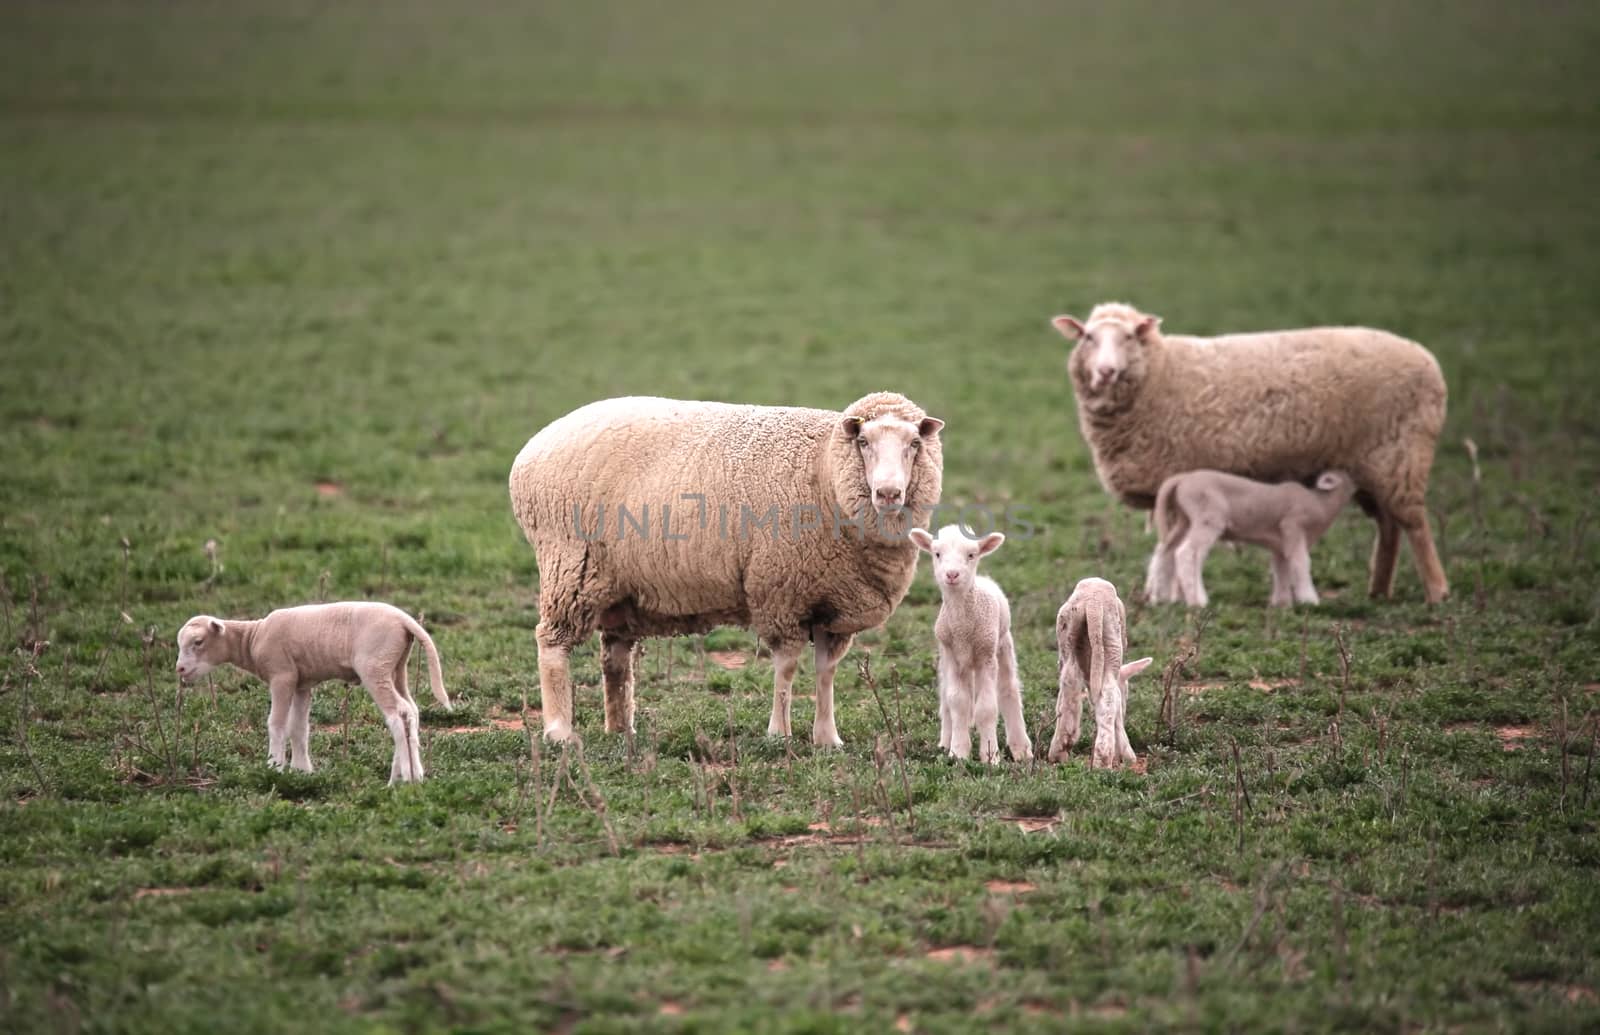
x: 952, y: 577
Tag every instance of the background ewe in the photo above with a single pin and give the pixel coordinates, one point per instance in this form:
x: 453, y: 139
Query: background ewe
x: 1277, y: 406
x: 791, y: 520
x: 1195, y: 509
x: 1091, y: 629
x: 295, y: 648
x: 977, y: 658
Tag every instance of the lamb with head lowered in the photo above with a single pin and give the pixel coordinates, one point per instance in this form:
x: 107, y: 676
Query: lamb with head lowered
x: 1091, y: 631
x: 295, y: 648
x: 977, y: 656
x: 1196, y: 509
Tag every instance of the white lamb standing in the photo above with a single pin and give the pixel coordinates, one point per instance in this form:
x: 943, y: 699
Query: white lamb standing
x: 1091, y: 628
x: 977, y: 656
x: 1279, y: 405
x: 786, y: 519
x: 295, y: 648
x: 1197, y: 508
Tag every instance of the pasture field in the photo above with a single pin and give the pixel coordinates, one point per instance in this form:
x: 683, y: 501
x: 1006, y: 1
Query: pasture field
x: 298, y: 280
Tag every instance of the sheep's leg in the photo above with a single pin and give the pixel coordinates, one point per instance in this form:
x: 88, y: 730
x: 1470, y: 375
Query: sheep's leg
x: 555, y: 683
x: 1385, y: 554
x: 986, y: 710
x: 1069, y: 708
x: 1299, y: 561
x: 283, y: 691
x: 1202, y: 536
x: 830, y: 650
x: 1435, y: 584
x: 960, y: 697
x: 947, y: 682
x: 785, y: 662
x: 1105, y: 726
x: 400, y: 715
x: 1124, y: 748
x: 300, y: 729
x: 1009, y: 688
x: 616, y: 667
x: 1282, y: 580
x: 1158, y: 575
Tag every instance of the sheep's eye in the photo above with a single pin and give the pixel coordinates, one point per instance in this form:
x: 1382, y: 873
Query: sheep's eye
x: 916, y: 444
x: 196, y: 644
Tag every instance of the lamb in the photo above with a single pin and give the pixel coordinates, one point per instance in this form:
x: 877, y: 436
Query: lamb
x: 1195, y: 509
x: 1278, y: 406
x: 295, y: 648
x: 786, y: 519
x: 1090, y: 631
x: 977, y: 657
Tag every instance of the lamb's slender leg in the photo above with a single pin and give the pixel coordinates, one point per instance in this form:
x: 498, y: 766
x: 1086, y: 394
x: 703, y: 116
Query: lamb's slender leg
x: 961, y: 706
x: 1010, y: 691
x: 555, y: 683
x: 1385, y: 553
x: 1282, y: 580
x: 1069, y: 708
x: 785, y: 662
x: 830, y: 649
x: 1158, y: 579
x: 986, y: 711
x: 616, y: 667
x: 1435, y: 584
x: 400, y: 715
x: 1299, y: 560
x: 1191, y: 560
x: 947, y: 681
x: 1124, y: 747
x: 1105, y: 725
x: 300, y: 729
x: 283, y: 689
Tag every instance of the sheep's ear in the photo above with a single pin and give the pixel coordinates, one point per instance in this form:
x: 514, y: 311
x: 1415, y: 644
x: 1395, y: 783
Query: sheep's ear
x: 1133, y: 668
x: 923, y: 540
x: 216, y: 627
x: 1146, y: 327
x: 990, y: 543
x: 1069, y: 327
x: 851, y: 426
x: 929, y: 427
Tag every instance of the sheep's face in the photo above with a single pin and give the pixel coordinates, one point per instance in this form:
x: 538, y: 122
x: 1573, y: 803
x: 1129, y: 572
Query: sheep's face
x: 889, y: 448
x: 1108, y: 359
x: 199, y: 647
x: 955, y: 554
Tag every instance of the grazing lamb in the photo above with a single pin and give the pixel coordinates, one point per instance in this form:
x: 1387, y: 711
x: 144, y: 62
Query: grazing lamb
x: 1090, y: 631
x: 295, y: 648
x: 977, y: 658
x: 1197, y: 508
x: 1278, y: 406
x: 791, y: 520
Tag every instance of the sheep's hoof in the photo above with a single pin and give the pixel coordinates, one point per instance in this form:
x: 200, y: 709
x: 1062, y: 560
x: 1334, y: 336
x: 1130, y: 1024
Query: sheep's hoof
x: 826, y: 739
x: 557, y: 731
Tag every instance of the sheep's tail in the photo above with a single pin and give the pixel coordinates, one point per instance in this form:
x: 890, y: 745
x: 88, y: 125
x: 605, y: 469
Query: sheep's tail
x: 1097, y: 647
x: 1171, y: 524
x: 435, y: 671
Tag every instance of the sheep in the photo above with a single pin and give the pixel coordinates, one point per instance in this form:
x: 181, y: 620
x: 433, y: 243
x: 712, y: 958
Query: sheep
x: 295, y: 648
x: 977, y: 657
x: 1278, y: 406
x: 786, y: 519
x: 1090, y: 631
x: 1195, y: 509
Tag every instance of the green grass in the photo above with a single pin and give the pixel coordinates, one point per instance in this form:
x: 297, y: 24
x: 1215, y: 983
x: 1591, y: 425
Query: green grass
x: 249, y: 248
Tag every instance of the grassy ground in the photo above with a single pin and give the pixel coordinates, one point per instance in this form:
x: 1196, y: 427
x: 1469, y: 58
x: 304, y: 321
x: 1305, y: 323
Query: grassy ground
x: 298, y: 281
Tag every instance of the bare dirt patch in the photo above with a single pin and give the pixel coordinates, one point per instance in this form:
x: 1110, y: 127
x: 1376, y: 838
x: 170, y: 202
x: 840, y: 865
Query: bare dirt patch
x: 732, y: 660
x: 160, y: 892
x: 903, y: 1023
x: 329, y: 489
x: 496, y: 722
x: 960, y: 954
x: 1269, y: 685
x: 1511, y: 737
x: 1578, y: 995
x: 1033, y: 824
x: 669, y: 1008
x: 1010, y: 887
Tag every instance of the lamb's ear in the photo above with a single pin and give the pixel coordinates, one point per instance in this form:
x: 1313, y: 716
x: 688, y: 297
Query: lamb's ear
x: 216, y: 627
x: 1327, y: 481
x: 1069, y: 327
x: 921, y: 537
x: 851, y: 427
x: 990, y: 543
x: 929, y: 427
x: 1146, y: 327
x: 1133, y: 668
